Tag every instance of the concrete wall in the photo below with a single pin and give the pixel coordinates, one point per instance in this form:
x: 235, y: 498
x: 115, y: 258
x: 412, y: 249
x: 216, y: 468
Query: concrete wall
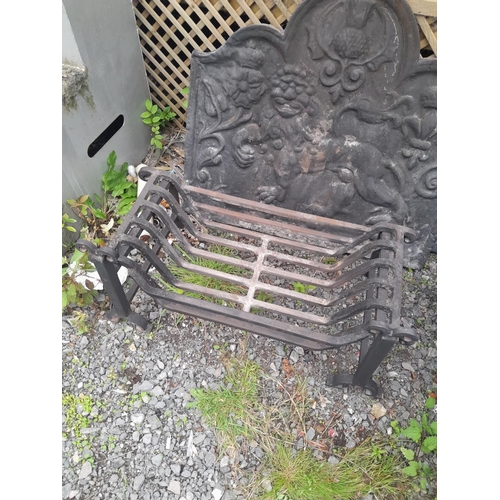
x: 103, y: 77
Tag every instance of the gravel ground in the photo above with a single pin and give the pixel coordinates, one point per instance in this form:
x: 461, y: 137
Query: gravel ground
x: 144, y: 443
x: 142, y: 440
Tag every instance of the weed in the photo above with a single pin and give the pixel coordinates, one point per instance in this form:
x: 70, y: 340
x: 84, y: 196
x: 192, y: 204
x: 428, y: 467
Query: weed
x: 118, y: 194
x: 222, y: 348
x: 183, y: 420
x: 109, y: 444
x: 379, y: 471
x: 66, y: 223
x: 98, y: 216
x: 178, y: 318
x: 263, y: 297
x: 78, y: 417
x: 229, y: 409
x: 185, y: 91
x: 79, y: 319
x: 117, y: 183
x: 299, y: 475
x: 143, y: 397
x: 301, y: 288
x: 157, y: 324
x: 156, y: 119
x: 112, y: 374
x: 90, y: 212
x: 194, y: 278
x: 74, y: 292
x: 329, y: 260
x: 418, y: 439
x: 235, y: 410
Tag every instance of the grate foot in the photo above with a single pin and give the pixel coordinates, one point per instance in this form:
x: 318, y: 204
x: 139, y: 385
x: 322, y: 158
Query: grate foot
x: 349, y: 379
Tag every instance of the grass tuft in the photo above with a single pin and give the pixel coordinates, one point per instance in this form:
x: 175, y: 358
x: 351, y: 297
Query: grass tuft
x: 235, y: 410
x: 193, y: 278
x: 228, y: 409
x: 300, y: 476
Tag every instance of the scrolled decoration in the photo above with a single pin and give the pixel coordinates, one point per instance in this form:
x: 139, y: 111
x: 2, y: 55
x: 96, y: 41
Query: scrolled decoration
x: 330, y: 73
x: 426, y: 185
x: 354, y: 77
x: 203, y: 175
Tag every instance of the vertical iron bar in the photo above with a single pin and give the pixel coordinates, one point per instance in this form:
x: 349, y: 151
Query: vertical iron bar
x: 120, y: 305
x: 371, y: 357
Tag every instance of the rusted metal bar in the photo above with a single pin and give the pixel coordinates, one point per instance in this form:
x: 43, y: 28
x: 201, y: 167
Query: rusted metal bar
x: 311, y: 303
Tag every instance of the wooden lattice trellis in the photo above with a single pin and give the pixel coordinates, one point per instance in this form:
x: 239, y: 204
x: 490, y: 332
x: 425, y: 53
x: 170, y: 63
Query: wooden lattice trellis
x: 169, y: 31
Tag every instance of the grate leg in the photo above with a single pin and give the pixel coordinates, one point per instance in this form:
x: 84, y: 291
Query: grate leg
x: 378, y: 350
x: 120, y: 305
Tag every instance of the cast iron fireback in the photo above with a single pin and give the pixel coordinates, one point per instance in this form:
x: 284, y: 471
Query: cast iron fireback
x: 334, y: 117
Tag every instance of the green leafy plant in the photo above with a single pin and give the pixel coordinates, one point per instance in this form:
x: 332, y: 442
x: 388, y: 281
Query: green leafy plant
x: 73, y: 292
x: 117, y: 184
x: 329, y: 260
x: 98, y: 213
x: 418, y: 439
x: 188, y: 276
x: 66, y: 223
x: 156, y: 119
x: 228, y: 409
x: 185, y: 91
x: 78, y: 416
x: 301, y: 288
x: 90, y: 212
x: 80, y: 320
x: 237, y: 413
x: 109, y: 445
x: 263, y: 297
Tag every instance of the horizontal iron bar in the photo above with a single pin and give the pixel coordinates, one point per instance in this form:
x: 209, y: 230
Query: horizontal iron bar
x: 245, y: 320
x: 272, y: 209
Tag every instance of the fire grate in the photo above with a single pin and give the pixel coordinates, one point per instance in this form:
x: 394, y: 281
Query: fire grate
x: 307, y: 152
x: 303, y: 279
